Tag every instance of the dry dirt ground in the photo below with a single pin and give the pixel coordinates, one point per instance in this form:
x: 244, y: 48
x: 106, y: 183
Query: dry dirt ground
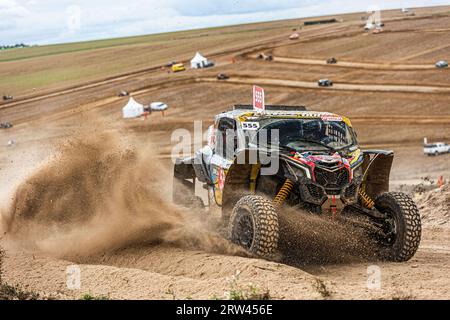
x: 75, y: 160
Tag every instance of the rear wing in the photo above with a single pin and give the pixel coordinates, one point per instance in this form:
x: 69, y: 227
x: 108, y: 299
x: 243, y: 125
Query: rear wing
x: 270, y: 107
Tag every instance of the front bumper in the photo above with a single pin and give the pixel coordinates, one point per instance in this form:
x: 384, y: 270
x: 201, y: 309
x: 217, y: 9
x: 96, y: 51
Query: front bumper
x: 316, y: 194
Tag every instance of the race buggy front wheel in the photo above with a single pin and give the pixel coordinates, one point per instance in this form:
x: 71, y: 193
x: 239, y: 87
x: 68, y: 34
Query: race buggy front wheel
x: 401, y: 229
x: 254, y: 226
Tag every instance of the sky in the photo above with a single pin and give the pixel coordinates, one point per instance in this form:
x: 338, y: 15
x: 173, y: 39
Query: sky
x: 57, y: 21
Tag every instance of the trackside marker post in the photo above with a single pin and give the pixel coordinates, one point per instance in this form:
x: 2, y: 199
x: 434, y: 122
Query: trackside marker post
x: 258, y: 99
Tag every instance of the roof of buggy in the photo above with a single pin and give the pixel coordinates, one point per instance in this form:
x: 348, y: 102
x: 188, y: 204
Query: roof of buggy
x: 246, y: 113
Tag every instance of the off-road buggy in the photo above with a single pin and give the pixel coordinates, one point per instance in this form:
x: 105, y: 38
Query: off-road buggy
x: 325, y: 83
x: 263, y: 56
x: 256, y: 163
x: 223, y: 76
x: 6, y: 125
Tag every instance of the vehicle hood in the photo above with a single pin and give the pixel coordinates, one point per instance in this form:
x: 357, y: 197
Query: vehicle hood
x: 329, y: 160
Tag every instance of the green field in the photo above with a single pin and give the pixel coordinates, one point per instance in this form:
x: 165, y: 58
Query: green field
x: 25, y: 70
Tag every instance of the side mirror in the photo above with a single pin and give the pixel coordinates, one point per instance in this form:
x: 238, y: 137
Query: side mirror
x: 207, y: 151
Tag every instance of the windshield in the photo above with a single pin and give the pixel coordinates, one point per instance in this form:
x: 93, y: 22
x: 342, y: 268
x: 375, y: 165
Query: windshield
x: 310, y: 134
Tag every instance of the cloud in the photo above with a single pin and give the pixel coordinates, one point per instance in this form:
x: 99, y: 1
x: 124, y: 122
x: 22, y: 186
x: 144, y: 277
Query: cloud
x: 12, y: 9
x: 51, y: 21
x: 206, y: 7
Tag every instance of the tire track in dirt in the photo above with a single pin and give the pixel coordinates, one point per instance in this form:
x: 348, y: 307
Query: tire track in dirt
x: 356, y: 65
x: 129, y: 75
x: 276, y: 82
x: 421, y: 53
x: 335, y: 87
x: 75, y: 88
x: 108, y: 100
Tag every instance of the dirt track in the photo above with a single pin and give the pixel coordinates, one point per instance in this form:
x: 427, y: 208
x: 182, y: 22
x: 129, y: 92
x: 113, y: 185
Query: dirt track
x: 167, y: 273
x: 395, y: 112
x: 336, y: 86
x: 356, y: 65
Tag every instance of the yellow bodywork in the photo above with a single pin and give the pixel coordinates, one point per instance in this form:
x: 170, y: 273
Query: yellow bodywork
x: 302, y: 115
x: 178, y: 67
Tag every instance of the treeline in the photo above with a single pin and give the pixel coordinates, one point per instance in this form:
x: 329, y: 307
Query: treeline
x: 14, y: 46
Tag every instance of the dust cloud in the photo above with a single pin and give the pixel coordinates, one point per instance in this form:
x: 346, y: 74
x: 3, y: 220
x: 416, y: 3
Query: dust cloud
x: 97, y: 194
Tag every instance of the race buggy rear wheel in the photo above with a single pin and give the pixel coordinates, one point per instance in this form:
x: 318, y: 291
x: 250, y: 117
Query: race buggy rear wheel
x: 401, y: 230
x: 254, y: 225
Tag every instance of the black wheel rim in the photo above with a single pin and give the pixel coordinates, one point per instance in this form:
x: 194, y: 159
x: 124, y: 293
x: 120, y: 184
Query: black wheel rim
x: 388, y: 235
x: 244, y: 230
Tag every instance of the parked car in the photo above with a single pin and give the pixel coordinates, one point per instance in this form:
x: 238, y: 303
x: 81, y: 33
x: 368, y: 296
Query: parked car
x: 332, y: 61
x: 442, y: 64
x: 124, y: 94
x: 325, y: 83
x: 222, y: 76
x: 178, y: 67
x: 209, y: 64
x: 158, y: 106
x: 294, y: 36
x: 434, y: 149
x: 6, y: 98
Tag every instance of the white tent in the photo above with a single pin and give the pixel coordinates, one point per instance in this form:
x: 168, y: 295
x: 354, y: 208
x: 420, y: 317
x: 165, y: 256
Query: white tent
x: 369, y: 26
x: 133, y: 109
x: 199, y: 61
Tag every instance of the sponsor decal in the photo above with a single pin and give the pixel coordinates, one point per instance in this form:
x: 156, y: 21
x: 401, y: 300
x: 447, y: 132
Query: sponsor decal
x: 221, y: 178
x: 329, y: 117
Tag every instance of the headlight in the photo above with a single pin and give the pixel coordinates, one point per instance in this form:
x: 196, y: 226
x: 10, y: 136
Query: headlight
x: 295, y: 171
x: 298, y: 172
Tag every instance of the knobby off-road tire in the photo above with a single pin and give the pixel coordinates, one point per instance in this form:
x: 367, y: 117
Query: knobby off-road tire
x: 402, y: 209
x: 254, y: 225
